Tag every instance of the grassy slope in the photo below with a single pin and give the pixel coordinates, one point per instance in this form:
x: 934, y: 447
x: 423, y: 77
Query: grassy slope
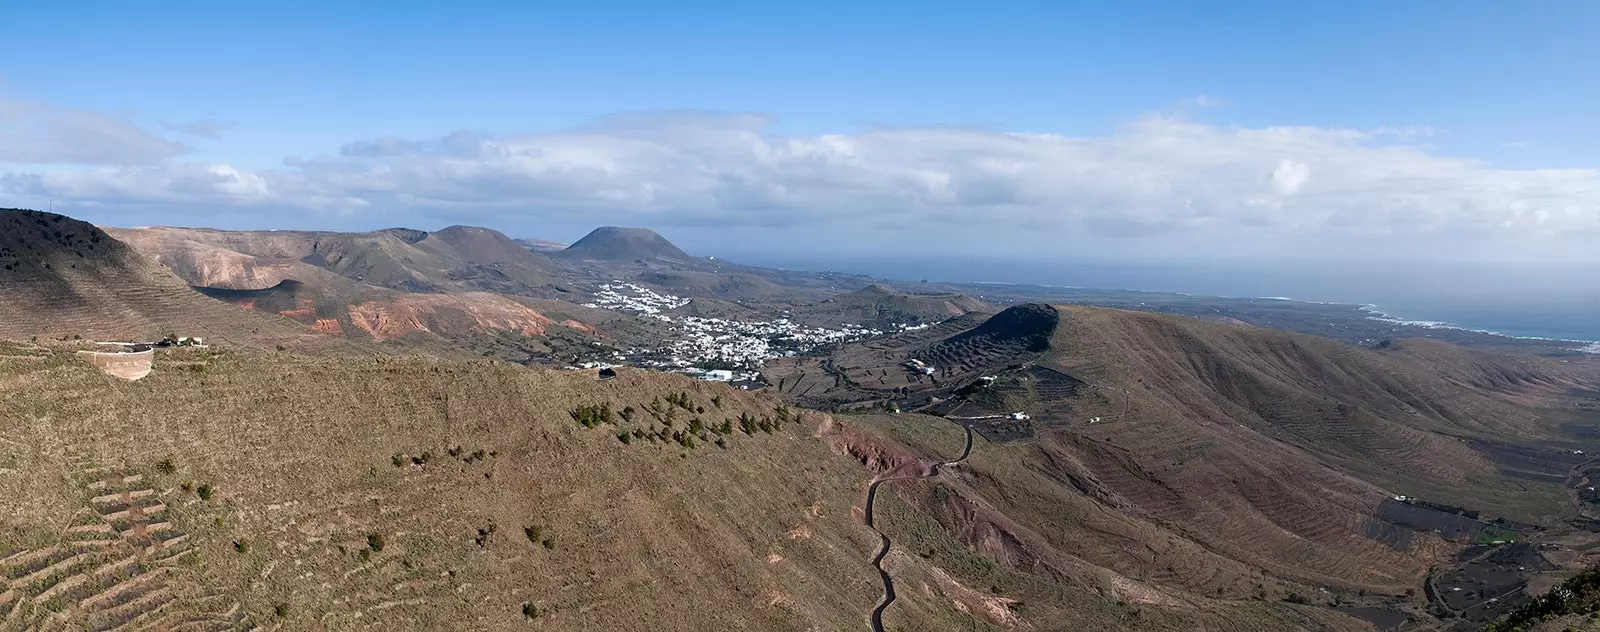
x: 1241, y: 468
x: 758, y: 536
x: 1392, y: 417
x: 955, y: 535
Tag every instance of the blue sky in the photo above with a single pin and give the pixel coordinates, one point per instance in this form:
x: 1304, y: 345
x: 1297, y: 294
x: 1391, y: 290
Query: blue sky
x: 1084, y: 124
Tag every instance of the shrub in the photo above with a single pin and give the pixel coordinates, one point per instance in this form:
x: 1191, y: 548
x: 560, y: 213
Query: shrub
x: 625, y: 437
x: 549, y: 543
x: 204, y: 492
x: 592, y: 416
x: 241, y: 546
x: 375, y: 542
x: 532, y: 533
x: 529, y: 610
x: 281, y: 610
x: 166, y: 466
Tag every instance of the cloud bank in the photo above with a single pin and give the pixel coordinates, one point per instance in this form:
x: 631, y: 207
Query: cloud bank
x: 39, y: 134
x: 1153, y: 175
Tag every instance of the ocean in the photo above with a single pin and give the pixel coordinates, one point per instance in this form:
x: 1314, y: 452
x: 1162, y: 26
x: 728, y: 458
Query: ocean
x: 1560, y: 302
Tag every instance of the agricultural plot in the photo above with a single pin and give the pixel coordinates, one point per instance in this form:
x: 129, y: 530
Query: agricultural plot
x: 120, y: 564
x: 1487, y: 581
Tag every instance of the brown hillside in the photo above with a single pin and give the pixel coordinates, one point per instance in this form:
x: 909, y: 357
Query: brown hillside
x: 62, y: 277
x: 258, y: 490
x: 725, y: 286
x: 1227, y: 462
x: 459, y: 258
x: 487, y: 247
x: 383, y: 315
x: 322, y: 279
x: 882, y: 305
x: 268, y: 490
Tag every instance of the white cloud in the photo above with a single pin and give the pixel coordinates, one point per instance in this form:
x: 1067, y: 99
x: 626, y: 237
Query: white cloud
x: 1290, y: 176
x: 1156, y: 174
x: 39, y: 134
x: 207, y: 128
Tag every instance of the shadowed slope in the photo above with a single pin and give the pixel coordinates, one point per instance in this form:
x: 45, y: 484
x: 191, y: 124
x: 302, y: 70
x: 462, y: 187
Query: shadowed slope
x: 63, y: 277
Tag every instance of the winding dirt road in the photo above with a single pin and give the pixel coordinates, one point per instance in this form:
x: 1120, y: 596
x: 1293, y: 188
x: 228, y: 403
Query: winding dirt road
x: 883, y: 551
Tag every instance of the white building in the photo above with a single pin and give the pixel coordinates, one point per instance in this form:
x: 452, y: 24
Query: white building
x: 717, y: 375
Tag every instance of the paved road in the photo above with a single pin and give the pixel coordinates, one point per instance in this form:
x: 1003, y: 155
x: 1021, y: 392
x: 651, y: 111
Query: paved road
x: 883, y: 551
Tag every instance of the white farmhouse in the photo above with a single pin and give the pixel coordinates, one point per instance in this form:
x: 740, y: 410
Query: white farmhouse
x: 717, y: 375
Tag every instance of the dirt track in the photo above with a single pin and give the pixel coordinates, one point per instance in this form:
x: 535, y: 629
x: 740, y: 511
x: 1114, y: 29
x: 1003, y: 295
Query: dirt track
x: 883, y: 550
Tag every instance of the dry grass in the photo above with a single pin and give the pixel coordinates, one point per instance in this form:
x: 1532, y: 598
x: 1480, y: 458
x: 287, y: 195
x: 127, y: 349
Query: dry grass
x: 300, y: 456
x: 1242, y: 469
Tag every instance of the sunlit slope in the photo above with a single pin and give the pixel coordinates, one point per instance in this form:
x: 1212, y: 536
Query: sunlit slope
x: 266, y: 490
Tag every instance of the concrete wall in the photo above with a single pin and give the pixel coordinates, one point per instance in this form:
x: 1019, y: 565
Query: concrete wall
x: 128, y: 366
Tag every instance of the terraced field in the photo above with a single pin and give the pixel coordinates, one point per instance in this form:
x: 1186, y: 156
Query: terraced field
x: 118, y: 565
x: 266, y: 489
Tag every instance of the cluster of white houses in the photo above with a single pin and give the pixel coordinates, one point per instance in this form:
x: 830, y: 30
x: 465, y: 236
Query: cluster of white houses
x: 717, y: 342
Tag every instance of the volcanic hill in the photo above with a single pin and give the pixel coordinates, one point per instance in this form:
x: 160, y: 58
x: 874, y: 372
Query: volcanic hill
x: 613, y: 243
x: 393, y: 284
x: 60, y: 277
x: 455, y: 259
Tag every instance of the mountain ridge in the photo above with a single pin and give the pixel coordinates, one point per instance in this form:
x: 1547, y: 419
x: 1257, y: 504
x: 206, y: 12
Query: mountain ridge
x: 64, y: 277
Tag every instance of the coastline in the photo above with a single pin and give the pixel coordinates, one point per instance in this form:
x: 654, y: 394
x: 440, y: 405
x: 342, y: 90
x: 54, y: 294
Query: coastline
x: 1376, y: 313
x: 1364, y: 311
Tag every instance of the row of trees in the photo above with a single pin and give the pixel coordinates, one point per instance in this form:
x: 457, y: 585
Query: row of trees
x: 697, y: 430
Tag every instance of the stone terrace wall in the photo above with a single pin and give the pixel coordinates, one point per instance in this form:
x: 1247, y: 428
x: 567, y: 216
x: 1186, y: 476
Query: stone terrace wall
x: 128, y: 366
